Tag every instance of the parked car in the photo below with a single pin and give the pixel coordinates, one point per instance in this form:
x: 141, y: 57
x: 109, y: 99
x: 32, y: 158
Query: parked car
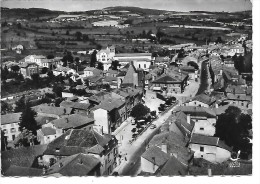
x: 153, y: 126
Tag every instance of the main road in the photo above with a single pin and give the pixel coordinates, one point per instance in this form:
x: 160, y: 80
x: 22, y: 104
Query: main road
x: 204, y: 78
x: 131, y: 153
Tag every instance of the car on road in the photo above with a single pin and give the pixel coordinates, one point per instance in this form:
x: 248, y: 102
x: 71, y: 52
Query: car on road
x: 153, y: 126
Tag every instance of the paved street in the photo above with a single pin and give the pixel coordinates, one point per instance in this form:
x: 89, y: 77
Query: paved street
x: 130, y: 165
x: 204, y: 78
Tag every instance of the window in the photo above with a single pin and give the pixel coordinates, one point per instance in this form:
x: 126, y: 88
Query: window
x: 144, y: 65
x: 202, y: 149
x: 5, y: 131
x: 13, y: 130
x: 139, y: 66
x: 201, y: 128
x: 13, y: 137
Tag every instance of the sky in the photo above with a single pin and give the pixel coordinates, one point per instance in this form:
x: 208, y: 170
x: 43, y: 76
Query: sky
x: 172, y: 5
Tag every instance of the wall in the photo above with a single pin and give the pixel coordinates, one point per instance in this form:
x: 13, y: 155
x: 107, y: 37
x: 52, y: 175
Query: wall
x: 147, y: 166
x: 197, y: 104
x: 211, y: 153
x: 8, y: 127
x: 101, y: 119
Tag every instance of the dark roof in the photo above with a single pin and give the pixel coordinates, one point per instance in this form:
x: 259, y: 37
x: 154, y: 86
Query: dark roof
x: 206, y: 99
x: 52, y: 110
x: 74, y: 165
x: 75, y: 105
x: 48, y: 131
x: 24, y: 156
x: 72, y: 121
x: 173, y: 168
x: 14, y: 170
x: 156, y: 155
x: 110, y: 104
x: 196, y: 111
x: 181, y: 121
x: 10, y: 118
x: 41, y: 120
x: 78, y: 141
x: 133, y: 54
x: 176, y: 144
x: 166, y: 79
x: 26, y: 64
x: 208, y: 140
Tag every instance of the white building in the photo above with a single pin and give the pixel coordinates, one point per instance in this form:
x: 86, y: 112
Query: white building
x: 106, y: 56
x: 10, y: 125
x: 209, y: 148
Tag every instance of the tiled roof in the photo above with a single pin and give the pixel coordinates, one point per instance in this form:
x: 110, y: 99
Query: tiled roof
x: 204, y: 99
x: 48, y: 131
x: 14, y: 170
x: 24, y: 156
x: 72, y: 121
x: 78, y: 141
x: 156, y: 156
x: 208, y: 140
x: 133, y: 54
x: 173, y: 168
x: 52, y: 110
x: 26, y: 64
x: 95, y: 78
x: 121, y: 93
x: 109, y: 79
x: 181, y: 121
x: 239, y: 97
x: 129, y: 78
x: 10, y: 118
x: 175, y: 144
x: 89, y: 68
x: 41, y: 120
x: 110, y: 104
x: 75, y: 105
x: 196, y: 111
x: 75, y: 165
x: 112, y: 71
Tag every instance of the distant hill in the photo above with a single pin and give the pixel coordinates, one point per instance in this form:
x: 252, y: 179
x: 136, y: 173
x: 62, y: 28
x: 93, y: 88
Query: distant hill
x: 27, y: 13
x: 138, y: 10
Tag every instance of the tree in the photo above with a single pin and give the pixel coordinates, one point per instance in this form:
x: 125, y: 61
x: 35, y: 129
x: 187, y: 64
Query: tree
x: 115, y: 64
x: 36, y: 78
x: 100, y: 66
x: 15, y: 68
x: 25, y: 138
x: 139, y: 111
x: 50, y: 56
x: 5, y: 107
x: 28, y: 121
x: 219, y: 40
x: 233, y: 127
x: 3, y: 141
x: 85, y: 38
x: 20, y: 104
x: 78, y: 35
x: 93, y: 59
x: 57, y: 90
x: 45, y: 70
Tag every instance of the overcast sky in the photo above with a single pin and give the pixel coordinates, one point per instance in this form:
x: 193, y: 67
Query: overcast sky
x: 174, y: 5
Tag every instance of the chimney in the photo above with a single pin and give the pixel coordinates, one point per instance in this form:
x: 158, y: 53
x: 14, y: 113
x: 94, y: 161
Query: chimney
x: 60, y: 165
x: 188, y: 118
x: 164, y: 148
x: 209, y: 172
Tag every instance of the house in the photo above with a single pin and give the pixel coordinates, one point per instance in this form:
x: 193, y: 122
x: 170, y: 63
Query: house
x: 106, y: 56
x: 132, y: 78
x: 141, y: 60
x: 18, y: 49
x: 27, y: 69
x: 75, y: 165
x: 204, y: 118
x: 239, y: 100
x: 14, y: 170
x: 63, y: 71
x: 172, y: 82
x: 77, y: 107
x: 35, y: 59
x: 91, y: 71
x: 10, y: 125
x: 201, y: 100
x: 110, y: 114
x: 175, y: 145
x: 94, y: 80
x: 97, y: 144
x: 29, y: 157
x: 46, y: 134
x: 209, y: 148
x: 98, y: 98
x: 111, y: 73
x: 181, y: 124
x: 51, y: 111
x: 153, y: 159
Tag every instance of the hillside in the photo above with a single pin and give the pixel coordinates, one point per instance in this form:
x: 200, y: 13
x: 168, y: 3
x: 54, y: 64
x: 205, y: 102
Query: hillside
x: 137, y: 10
